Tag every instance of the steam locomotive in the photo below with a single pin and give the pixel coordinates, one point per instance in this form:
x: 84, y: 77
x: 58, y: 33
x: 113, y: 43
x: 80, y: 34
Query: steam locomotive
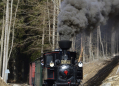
x: 61, y: 67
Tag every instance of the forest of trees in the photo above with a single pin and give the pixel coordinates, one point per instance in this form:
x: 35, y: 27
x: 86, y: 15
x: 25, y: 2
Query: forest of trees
x: 101, y: 43
x: 28, y: 28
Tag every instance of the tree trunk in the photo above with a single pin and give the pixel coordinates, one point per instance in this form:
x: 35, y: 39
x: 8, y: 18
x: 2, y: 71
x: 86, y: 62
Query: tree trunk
x: 101, y: 42
x: 57, y: 46
x: 13, y: 29
x: 106, y: 45
x: 117, y: 43
x: 5, y: 55
x: 90, y: 47
x: 113, y: 41
x: 53, y: 35
x: 98, y: 42
x: 49, y: 24
x: 83, y: 45
x: 8, y: 37
x: 73, y: 39
x: 43, y: 34
x: 2, y: 44
x: 49, y: 27
x: 87, y: 48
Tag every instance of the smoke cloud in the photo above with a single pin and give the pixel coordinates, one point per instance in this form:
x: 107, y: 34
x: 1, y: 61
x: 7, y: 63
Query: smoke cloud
x: 84, y: 15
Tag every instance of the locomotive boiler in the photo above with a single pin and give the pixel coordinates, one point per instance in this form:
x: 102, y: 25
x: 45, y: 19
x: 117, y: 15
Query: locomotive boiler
x: 61, y: 67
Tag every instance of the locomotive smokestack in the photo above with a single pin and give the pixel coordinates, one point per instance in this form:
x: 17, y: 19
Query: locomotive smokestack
x: 65, y: 45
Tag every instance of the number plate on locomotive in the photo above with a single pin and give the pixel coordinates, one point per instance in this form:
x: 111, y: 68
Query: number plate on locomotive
x: 65, y: 61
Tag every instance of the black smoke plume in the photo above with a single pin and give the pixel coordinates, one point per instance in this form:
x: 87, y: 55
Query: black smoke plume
x: 85, y: 15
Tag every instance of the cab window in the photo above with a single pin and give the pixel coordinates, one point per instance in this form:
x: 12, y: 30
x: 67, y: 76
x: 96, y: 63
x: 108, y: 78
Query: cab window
x: 49, y: 58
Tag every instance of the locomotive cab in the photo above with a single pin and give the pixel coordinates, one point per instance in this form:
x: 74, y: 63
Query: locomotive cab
x: 60, y: 67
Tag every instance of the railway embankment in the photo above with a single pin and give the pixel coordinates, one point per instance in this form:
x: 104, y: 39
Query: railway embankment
x: 101, y: 72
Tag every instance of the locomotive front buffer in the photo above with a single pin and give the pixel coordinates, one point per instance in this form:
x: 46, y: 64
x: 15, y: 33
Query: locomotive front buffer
x: 61, y: 68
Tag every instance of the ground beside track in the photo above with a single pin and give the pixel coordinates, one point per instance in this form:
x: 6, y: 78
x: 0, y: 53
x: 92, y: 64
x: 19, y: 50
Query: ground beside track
x: 18, y: 84
x: 101, y: 73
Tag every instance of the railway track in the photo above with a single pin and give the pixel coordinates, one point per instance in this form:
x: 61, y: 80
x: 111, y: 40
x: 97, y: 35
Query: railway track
x: 97, y: 79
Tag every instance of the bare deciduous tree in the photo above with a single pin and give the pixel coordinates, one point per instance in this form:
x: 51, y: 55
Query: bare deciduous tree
x: 113, y: 41
x: 2, y: 41
x: 54, y: 30
x: 6, y: 36
x: 5, y: 53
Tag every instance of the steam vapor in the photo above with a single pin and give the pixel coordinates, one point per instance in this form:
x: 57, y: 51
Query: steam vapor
x: 86, y: 15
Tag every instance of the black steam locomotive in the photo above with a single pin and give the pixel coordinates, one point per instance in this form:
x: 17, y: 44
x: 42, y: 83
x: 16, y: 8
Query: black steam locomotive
x: 61, y: 68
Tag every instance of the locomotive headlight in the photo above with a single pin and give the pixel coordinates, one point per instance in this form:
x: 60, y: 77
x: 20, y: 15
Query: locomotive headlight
x: 80, y: 64
x: 64, y: 67
x: 51, y: 64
